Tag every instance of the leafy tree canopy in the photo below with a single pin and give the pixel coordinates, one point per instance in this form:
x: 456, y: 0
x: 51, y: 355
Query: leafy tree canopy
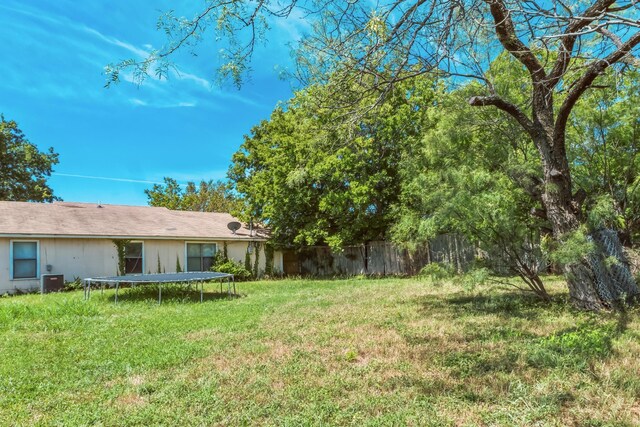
x: 314, y: 178
x: 208, y: 196
x: 604, y: 143
x: 24, y: 169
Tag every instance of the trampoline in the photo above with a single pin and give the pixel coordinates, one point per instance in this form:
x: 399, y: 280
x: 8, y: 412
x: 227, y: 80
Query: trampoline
x: 197, y: 277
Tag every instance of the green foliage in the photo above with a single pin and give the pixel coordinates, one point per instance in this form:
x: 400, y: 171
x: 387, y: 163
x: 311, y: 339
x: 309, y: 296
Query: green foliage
x: 121, y: 247
x: 208, y: 196
x: 73, y: 285
x: 24, y: 169
x: 437, y: 272
x: 570, y: 248
x: 256, y: 262
x: 351, y: 355
x: 603, y: 213
x: 604, y: 148
x: 570, y: 348
x: 268, y: 261
x: 222, y: 264
x: 475, y: 174
x: 473, y: 278
x: 314, y: 178
x: 247, y: 260
x: 230, y: 266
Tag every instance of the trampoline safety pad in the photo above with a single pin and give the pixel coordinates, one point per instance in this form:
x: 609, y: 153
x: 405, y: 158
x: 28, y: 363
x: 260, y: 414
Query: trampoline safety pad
x: 197, y: 277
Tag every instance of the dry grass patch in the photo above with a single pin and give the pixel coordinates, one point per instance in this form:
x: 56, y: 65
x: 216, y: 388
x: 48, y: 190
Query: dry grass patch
x: 130, y: 400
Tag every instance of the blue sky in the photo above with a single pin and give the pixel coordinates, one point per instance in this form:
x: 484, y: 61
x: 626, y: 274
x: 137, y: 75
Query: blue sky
x: 187, y: 127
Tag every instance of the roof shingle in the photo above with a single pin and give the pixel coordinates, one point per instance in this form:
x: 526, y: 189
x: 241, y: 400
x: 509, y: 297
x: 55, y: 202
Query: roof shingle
x: 66, y: 219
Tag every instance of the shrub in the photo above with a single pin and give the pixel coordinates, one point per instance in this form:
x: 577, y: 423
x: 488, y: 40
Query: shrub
x: 73, y: 285
x: 473, y: 278
x: 232, y: 267
x: 436, y: 271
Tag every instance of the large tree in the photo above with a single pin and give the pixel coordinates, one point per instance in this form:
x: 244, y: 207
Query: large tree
x: 563, y: 46
x: 475, y: 174
x: 208, y: 196
x: 23, y: 168
x: 298, y: 175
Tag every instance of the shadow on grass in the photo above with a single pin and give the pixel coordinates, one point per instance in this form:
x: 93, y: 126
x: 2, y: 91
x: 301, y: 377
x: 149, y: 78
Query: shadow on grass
x: 491, y: 337
x: 510, y: 304
x: 170, y: 294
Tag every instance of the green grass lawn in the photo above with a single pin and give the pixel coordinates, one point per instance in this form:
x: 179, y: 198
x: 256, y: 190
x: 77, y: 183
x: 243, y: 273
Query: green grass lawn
x: 303, y: 352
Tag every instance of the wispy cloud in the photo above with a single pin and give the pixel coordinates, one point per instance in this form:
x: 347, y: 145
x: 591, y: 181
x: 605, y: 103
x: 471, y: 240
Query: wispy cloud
x: 154, y: 104
x: 106, y: 178
x: 136, y: 101
x: 181, y: 75
x: 116, y: 42
x: 197, y: 176
x: 94, y: 47
x: 294, y: 27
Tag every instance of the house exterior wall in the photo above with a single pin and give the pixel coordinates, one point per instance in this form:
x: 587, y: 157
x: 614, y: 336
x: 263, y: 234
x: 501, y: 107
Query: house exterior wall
x: 71, y: 257
x: 167, y: 251
x: 94, y: 257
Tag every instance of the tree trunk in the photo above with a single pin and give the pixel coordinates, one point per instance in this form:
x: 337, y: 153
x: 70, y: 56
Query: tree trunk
x: 601, y: 279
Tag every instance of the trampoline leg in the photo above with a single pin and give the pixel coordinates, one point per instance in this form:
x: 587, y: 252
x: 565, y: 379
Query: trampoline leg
x: 159, y: 293
x: 233, y: 280
x: 102, y: 289
x: 116, y: 301
x: 201, y: 291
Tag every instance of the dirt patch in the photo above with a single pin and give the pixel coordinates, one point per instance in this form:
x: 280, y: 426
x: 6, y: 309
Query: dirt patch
x: 136, y: 380
x: 130, y: 400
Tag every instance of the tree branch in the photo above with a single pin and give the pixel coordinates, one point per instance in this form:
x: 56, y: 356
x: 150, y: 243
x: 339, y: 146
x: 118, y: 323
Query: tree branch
x: 596, y: 69
x: 570, y: 36
x: 506, y: 106
x: 506, y: 32
x: 628, y: 59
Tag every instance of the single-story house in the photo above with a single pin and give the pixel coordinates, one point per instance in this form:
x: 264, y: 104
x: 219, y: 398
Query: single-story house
x: 80, y: 240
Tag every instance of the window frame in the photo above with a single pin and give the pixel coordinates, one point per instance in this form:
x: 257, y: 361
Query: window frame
x: 141, y: 256
x: 12, y: 260
x: 186, y: 252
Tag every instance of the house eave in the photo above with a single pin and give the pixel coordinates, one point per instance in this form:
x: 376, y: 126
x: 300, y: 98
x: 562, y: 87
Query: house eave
x: 130, y: 237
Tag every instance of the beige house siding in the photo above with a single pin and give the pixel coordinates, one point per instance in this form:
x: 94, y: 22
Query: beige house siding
x: 167, y: 250
x: 93, y: 257
x: 71, y: 257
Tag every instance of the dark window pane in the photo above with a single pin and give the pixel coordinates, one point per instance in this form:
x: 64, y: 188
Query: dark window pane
x: 133, y: 250
x: 193, y: 264
x: 207, y: 262
x: 133, y: 265
x: 24, y: 269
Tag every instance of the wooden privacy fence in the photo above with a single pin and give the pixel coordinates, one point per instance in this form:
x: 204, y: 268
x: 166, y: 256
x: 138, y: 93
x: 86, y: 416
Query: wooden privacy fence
x: 379, y: 258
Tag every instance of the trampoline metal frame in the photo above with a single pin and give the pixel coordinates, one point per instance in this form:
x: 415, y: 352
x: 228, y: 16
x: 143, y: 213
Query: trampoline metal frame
x: 135, y: 279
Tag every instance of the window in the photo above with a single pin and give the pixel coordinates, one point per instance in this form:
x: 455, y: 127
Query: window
x: 200, y: 256
x: 133, y: 258
x: 24, y: 260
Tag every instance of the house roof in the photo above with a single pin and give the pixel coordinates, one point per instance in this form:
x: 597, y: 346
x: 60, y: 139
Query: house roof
x: 66, y: 219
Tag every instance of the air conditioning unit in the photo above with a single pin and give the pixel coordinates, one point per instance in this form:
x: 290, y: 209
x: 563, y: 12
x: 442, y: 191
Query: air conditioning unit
x: 51, y: 283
